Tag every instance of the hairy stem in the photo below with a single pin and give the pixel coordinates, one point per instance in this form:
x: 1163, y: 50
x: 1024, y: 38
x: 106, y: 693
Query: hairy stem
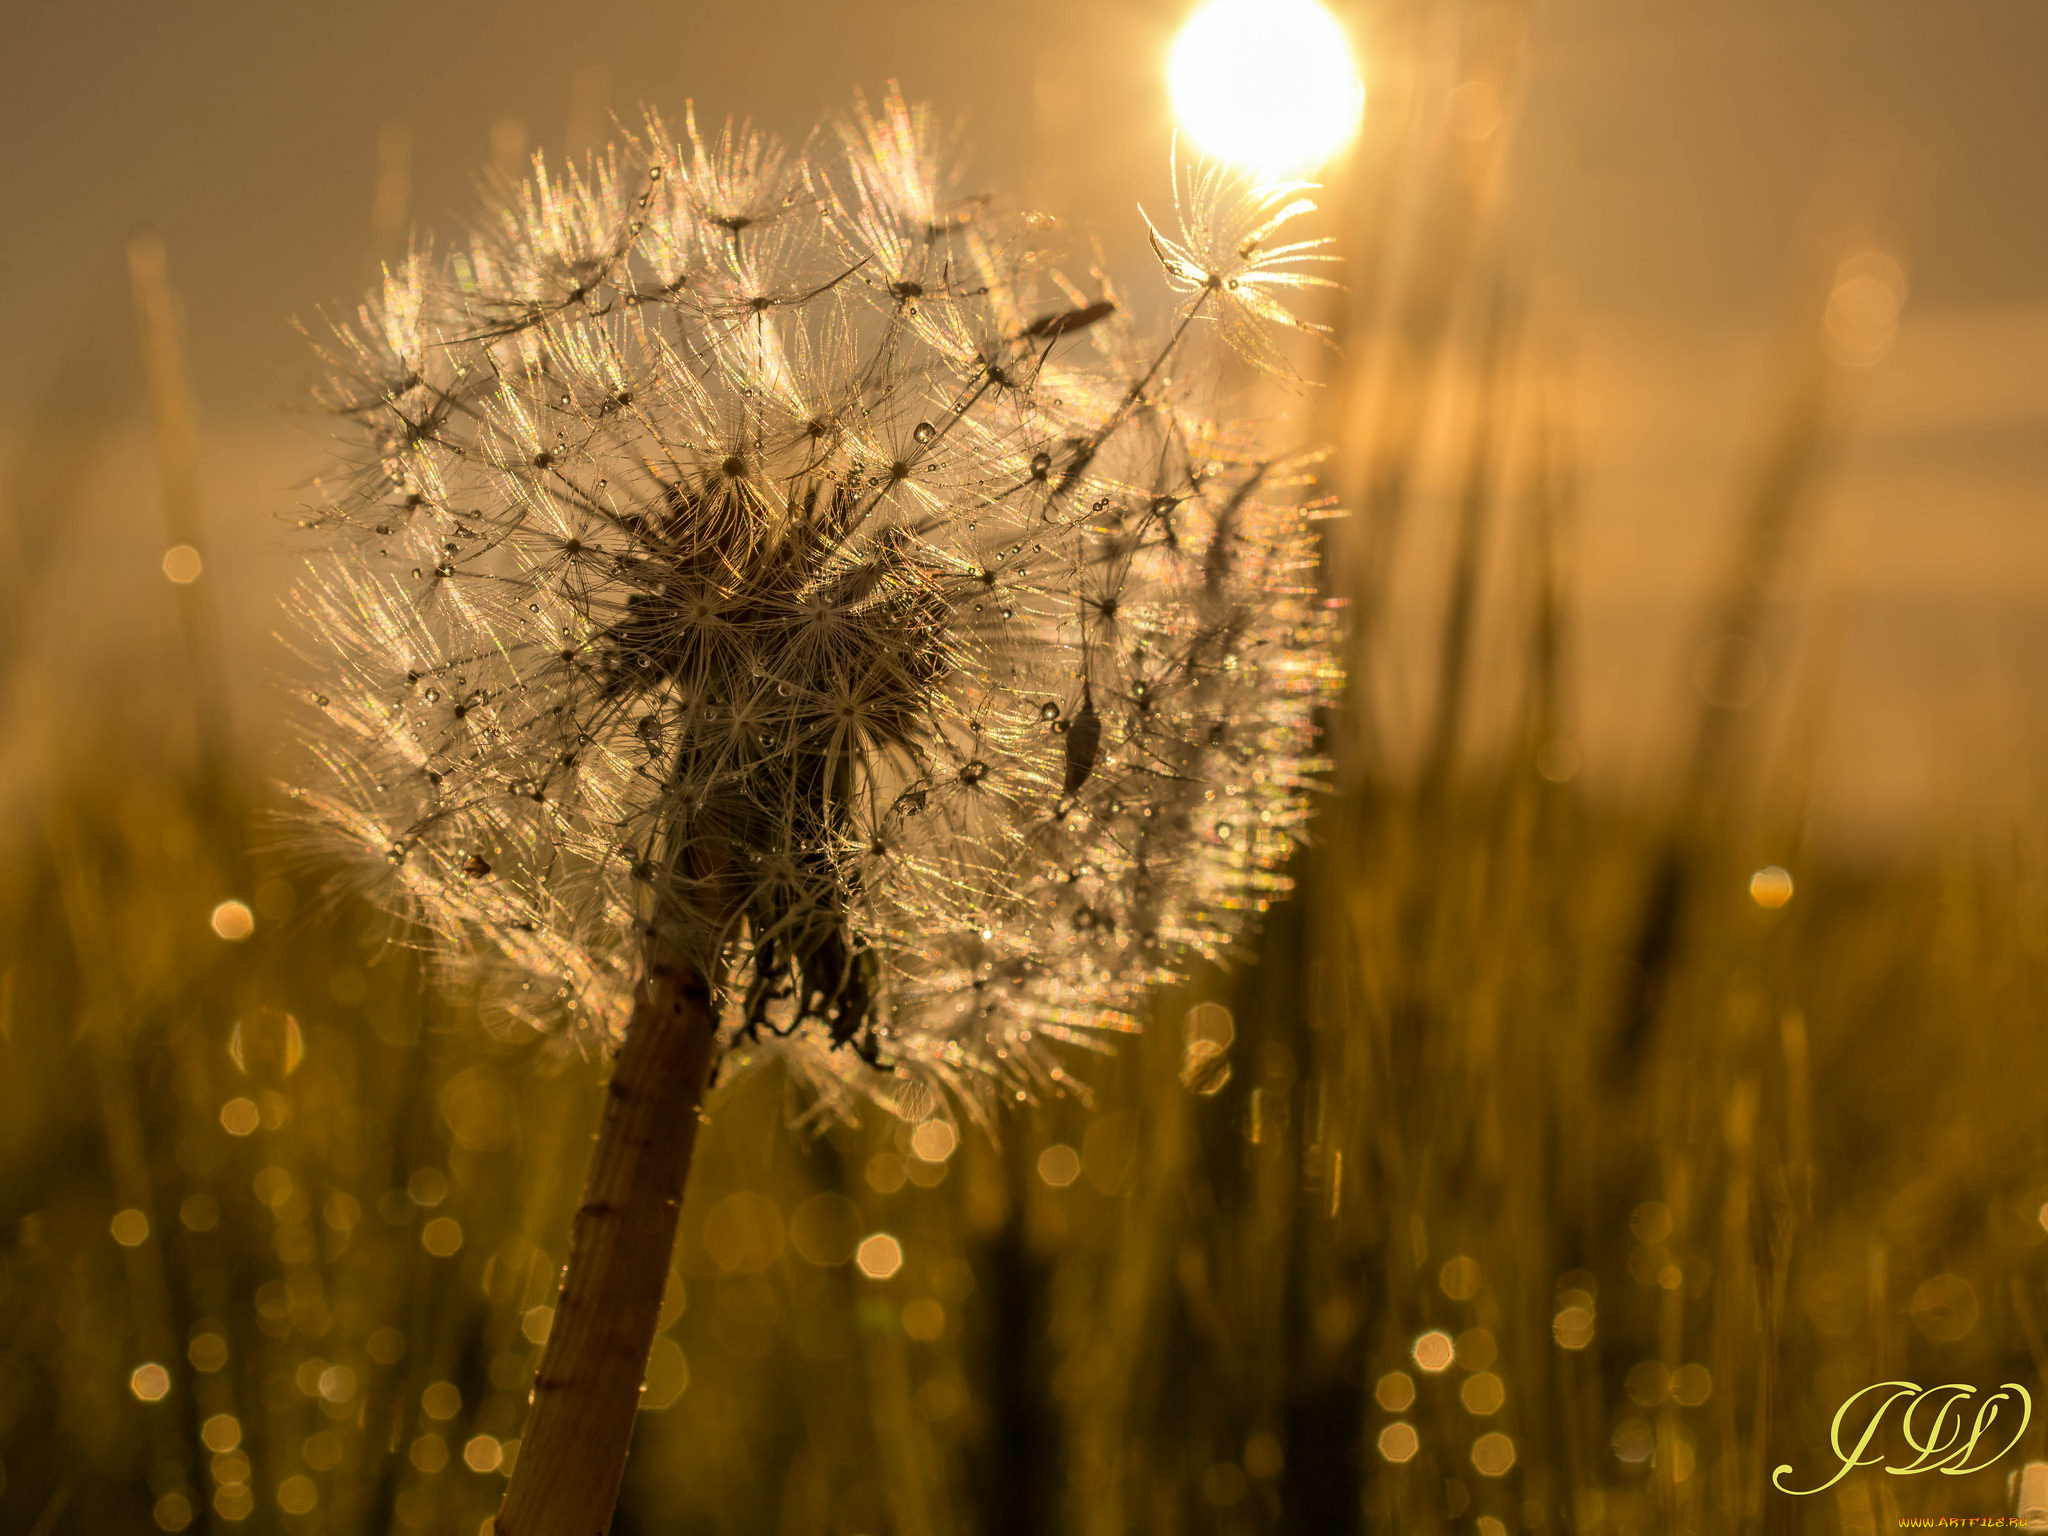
x: 587, y: 1391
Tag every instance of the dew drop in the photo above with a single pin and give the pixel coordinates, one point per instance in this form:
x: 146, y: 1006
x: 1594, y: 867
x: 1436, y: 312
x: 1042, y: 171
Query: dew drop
x: 1041, y: 465
x: 925, y: 432
x: 1048, y: 711
x: 433, y: 695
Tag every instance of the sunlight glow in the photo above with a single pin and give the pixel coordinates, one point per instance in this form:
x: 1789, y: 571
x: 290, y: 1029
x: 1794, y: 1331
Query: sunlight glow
x: 1270, y: 84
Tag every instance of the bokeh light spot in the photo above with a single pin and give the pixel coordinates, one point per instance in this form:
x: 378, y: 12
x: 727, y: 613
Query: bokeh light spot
x: 1557, y: 761
x: 934, y: 1141
x: 1395, y: 1391
x: 1633, y: 1441
x: 233, y: 1501
x: 182, y: 564
x: 1223, y: 1484
x: 387, y: 1346
x: 885, y: 1173
x: 149, y: 1381
x: 1263, y: 1455
x: 1476, y: 1349
x: 208, y: 1352
x: 1476, y: 110
x: 1482, y: 1394
x: 1399, y: 1442
x: 1572, y: 1327
x: 201, y: 1212
x: 222, y: 1433
x: 1647, y: 1383
x: 1770, y: 887
x: 130, y: 1228
x: 1493, y: 1455
x: 924, y: 1319
x: 743, y: 1233
x: 825, y: 1230
x: 1434, y: 1351
x: 297, y: 1494
x: 1945, y: 1308
x: 267, y: 1043
x: 1691, y: 1385
x: 1459, y: 1278
x: 233, y: 921
x: 1059, y: 1165
x: 1650, y: 1221
x: 427, y: 1187
x: 1862, y: 314
x: 879, y: 1256
x: 337, y: 1384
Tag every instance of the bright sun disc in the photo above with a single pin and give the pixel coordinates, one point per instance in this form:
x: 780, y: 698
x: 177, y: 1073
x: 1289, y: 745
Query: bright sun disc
x: 1270, y: 84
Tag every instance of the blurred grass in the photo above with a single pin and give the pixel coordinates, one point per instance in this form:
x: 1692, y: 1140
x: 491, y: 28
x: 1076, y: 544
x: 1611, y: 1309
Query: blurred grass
x: 1536, y: 1177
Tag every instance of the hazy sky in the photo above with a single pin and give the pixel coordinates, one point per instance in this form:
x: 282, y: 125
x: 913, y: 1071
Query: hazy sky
x: 1664, y: 158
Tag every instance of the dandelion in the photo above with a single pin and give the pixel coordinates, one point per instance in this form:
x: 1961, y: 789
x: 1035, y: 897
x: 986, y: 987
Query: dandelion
x: 769, y: 613
x: 1227, y: 257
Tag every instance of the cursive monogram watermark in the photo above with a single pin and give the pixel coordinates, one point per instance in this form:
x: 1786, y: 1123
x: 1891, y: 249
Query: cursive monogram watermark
x: 1951, y: 1442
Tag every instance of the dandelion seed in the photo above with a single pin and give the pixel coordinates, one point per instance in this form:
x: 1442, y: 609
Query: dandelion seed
x: 1223, y: 254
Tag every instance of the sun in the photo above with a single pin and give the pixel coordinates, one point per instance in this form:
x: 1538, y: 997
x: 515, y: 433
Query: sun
x: 1270, y: 84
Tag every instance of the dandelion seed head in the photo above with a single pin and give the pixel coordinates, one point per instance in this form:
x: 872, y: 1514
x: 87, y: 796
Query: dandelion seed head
x: 766, y: 560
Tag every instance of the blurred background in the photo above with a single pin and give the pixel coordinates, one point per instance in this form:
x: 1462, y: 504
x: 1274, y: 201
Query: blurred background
x: 1650, y: 1055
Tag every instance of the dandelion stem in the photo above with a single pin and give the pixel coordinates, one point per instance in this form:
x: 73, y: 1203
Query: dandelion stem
x: 587, y: 1390
x: 1137, y: 390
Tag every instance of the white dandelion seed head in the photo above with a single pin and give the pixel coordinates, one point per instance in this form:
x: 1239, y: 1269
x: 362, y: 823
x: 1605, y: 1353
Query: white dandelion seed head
x: 745, y: 559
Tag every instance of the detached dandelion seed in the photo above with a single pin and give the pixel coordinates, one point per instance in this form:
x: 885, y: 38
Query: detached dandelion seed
x: 769, y: 614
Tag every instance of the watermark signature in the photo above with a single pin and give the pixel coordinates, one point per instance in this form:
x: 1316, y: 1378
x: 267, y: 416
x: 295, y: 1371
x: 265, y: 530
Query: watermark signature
x: 1938, y: 1423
